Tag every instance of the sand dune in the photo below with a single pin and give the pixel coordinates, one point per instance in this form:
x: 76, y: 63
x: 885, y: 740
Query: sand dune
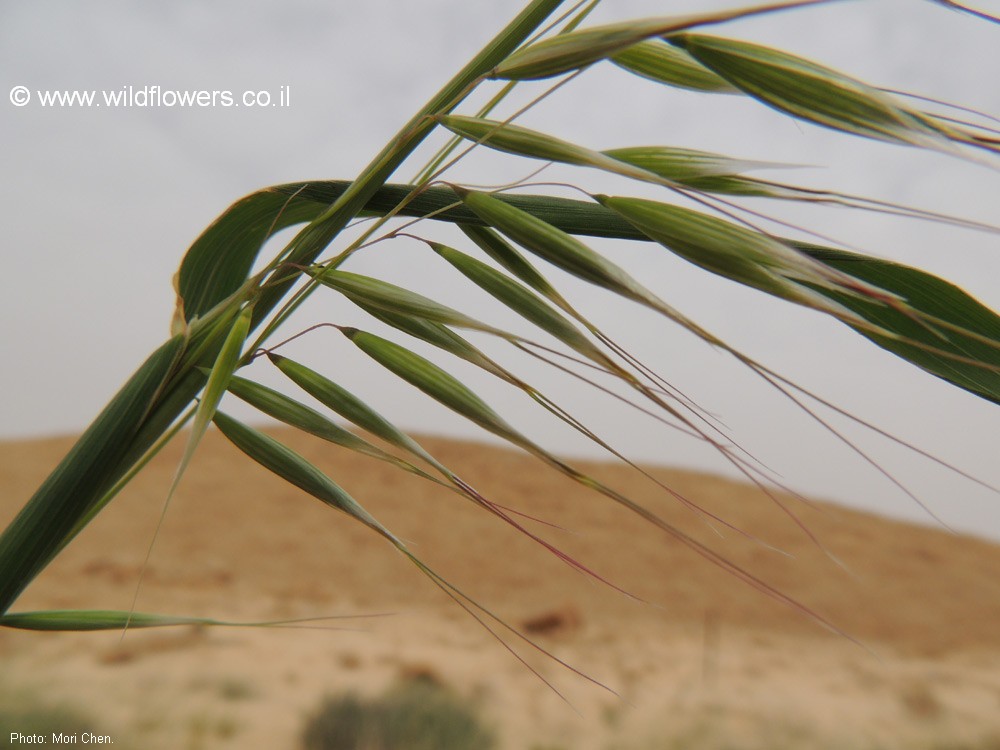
x: 910, y: 656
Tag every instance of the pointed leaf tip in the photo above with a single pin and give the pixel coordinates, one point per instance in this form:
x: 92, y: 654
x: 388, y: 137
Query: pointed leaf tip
x: 810, y: 91
x: 281, y: 460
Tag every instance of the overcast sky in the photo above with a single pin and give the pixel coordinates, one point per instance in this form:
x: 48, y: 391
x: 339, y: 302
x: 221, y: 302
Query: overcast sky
x: 99, y: 204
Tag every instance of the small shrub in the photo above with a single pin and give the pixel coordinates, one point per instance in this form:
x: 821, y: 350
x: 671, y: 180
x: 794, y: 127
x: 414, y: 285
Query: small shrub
x: 921, y: 702
x: 340, y: 724
x: 414, y: 716
x: 234, y: 689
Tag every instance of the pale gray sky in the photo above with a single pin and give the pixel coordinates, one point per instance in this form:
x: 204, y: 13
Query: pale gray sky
x: 99, y: 204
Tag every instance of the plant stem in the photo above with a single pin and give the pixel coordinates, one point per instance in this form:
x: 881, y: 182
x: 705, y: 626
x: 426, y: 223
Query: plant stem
x: 111, y: 446
x: 311, y: 241
x: 50, y: 517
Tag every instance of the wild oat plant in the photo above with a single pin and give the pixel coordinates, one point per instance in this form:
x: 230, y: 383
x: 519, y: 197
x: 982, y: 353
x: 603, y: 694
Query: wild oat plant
x: 232, y: 305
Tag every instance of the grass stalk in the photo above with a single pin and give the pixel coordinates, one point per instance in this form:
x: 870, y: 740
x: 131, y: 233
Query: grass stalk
x: 158, y: 393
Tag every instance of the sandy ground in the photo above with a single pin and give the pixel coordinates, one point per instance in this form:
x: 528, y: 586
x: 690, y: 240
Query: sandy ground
x: 696, y: 658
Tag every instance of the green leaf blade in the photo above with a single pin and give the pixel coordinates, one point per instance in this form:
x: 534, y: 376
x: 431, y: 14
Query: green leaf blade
x: 51, y: 517
x: 959, y: 354
x: 723, y: 248
x: 300, y: 416
x: 294, y: 414
x: 293, y: 468
x: 220, y: 260
x: 547, y: 241
x: 568, y: 253
x: 351, y: 407
x: 578, y: 49
x: 94, y: 619
x: 432, y: 380
x: 663, y: 63
x: 372, y: 292
x: 701, y: 170
x: 811, y: 91
x: 521, y: 300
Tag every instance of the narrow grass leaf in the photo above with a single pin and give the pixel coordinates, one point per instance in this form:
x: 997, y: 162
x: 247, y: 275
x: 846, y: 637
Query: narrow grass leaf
x: 700, y: 170
x: 448, y: 391
x: 584, y: 218
x: 720, y: 246
x: 226, y: 362
x: 507, y: 256
x: 441, y: 203
x: 470, y: 492
x: 578, y: 49
x: 109, y: 619
x: 292, y: 467
x: 925, y: 320
x: 510, y: 258
x: 311, y: 241
x: 811, y: 91
x: 514, y: 139
x: 445, y: 339
x: 51, y: 516
x: 662, y: 165
x: 664, y: 63
x: 396, y: 299
x: 218, y: 380
x: 922, y: 292
x: 435, y: 334
x: 281, y: 460
x: 296, y: 414
x: 84, y: 620
x: 220, y: 260
x: 351, y: 408
x: 591, y: 219
x: 569, y: 254
x: 521, y: 300
x: 434, y: 381
x: 548, y: 242
x: 945, y: 331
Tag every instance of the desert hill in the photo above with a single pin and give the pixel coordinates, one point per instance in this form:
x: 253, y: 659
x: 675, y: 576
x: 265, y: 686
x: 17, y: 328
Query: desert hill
x: 914, y: 652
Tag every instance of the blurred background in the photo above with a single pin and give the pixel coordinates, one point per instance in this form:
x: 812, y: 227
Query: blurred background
x: 100, y: 203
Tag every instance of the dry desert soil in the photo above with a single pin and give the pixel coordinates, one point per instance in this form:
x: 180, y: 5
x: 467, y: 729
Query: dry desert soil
x: 692, y: 657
